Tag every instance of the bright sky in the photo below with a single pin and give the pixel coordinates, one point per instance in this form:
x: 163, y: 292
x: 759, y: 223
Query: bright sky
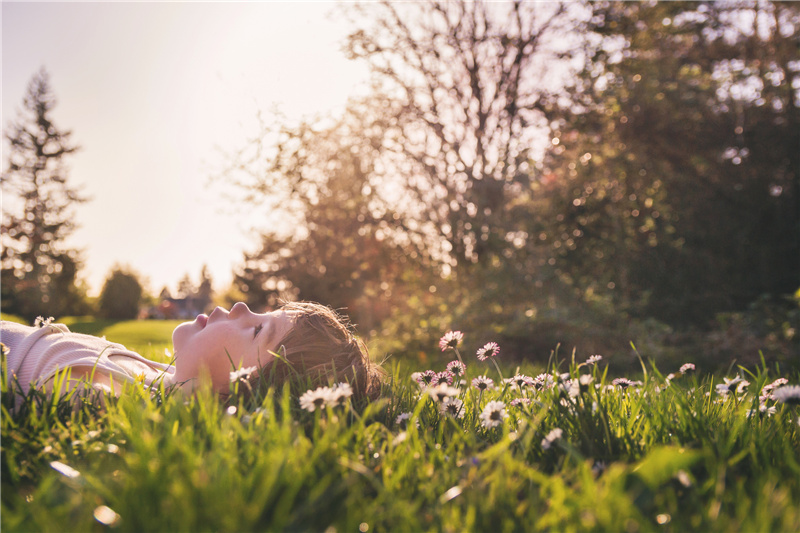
x: 152, y: 92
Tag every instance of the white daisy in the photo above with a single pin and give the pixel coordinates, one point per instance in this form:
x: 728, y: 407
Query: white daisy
x: 788, y: 394
x: 520, y: 381
x: 543, y: 381
x: 493, y: 414
x: 762, y: 410
x: 441, y: 391
x: 41, y: 322
x: 339, y: 394
x: 570, y: 387
x: 551, y: 437
x: 242, y: 373
x: 452, y: 407
x: 625, y: 383
x: 311, y: 400
x: 729, y: 385
x: 594, y: 359
x: 520, y: 402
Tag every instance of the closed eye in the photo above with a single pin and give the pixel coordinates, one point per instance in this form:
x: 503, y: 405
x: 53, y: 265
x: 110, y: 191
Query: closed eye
x: 258, y: 329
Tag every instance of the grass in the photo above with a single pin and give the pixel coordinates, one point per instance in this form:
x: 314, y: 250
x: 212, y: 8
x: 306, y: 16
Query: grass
x: 13, y: 318
x: 646, y: 458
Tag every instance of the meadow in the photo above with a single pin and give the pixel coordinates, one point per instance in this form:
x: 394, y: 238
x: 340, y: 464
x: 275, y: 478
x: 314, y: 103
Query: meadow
x: 562, y: 447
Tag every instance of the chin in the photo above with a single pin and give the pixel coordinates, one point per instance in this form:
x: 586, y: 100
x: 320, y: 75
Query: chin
x: 180, y: 333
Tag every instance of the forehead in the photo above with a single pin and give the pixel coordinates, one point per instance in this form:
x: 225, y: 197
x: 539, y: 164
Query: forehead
x: 279, y: 315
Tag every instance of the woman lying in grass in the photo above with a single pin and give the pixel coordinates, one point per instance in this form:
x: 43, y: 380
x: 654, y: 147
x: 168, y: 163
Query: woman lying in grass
x: 300, y: 339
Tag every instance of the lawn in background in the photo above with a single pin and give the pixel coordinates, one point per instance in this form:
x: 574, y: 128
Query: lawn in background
x: 148, y: 338
x: 13, y: 318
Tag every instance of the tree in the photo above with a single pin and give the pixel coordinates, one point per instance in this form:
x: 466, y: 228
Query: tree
x: 38, y: 272
x: 205, y: 290
x: 337, y: 244
x: 419, y: 182
x: 186, y: 288
x: 675, y: 167
x: 121, y: 295
x: 462, y: 85
x: 164, y: 294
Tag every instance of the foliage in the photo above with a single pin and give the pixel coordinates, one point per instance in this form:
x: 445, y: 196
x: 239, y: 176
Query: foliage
x: 766, y: 326
x: 343, y: 246
x: 671, y: 452
x: 417, y: 184
x: 672, y: 178
x: 665, y: 194
x: 121, y: 295
x: 38, y: 272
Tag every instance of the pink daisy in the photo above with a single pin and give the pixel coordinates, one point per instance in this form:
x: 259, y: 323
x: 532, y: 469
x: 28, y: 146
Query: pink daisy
x: 426, y: 378
x: 443, y: 377
x: 490, y: 349
x: 483, y: 383
x: 451, y: 339
x: 457, y: 368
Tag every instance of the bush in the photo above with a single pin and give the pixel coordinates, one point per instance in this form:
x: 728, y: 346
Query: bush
x: 121, y: 295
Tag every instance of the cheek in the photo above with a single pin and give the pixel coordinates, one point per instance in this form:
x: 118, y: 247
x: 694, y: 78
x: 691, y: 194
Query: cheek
x: 212, y: 346
x: 257, y: 359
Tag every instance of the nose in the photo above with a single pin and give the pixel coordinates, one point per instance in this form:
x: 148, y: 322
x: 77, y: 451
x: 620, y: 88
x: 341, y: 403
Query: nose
x: 218, y: 311
x: 239, y: 309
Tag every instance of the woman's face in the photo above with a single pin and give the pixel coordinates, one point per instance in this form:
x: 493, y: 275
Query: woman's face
x: 205, y: 348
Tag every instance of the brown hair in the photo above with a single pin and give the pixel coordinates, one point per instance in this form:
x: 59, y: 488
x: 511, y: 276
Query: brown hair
x: 320, y: 348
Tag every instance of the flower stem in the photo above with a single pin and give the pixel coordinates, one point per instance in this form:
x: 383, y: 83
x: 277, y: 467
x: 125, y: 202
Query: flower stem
x: 498, y: 369
x: 459, y: 356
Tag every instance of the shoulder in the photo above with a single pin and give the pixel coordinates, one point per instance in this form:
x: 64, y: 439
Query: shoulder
x: 7, y: 325
x: 14, y: 329
x: 12, y: 333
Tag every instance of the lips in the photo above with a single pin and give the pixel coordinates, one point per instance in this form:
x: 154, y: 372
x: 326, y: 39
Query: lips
x: 202, y: 320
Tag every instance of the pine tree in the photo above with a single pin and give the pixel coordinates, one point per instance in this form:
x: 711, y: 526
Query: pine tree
x: 205, y: 290
x: 38, y: 272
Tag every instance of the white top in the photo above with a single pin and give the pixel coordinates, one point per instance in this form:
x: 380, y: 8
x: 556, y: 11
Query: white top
x: 36, y: 354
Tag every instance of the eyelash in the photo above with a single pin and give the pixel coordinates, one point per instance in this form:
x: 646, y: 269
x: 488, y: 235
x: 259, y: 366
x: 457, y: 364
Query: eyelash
x: 258, y: 329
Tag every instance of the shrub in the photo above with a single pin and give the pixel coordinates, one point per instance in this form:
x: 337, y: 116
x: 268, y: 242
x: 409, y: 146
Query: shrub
x: 121, y: 295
